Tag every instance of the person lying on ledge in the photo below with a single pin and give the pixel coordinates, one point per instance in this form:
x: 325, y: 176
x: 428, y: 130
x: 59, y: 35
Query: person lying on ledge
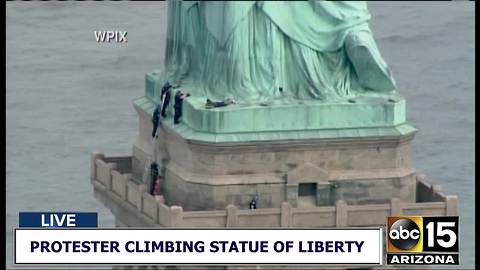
x: 215, y: 104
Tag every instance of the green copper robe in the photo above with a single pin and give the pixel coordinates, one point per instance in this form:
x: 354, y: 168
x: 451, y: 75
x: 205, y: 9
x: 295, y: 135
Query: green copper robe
x: 260, y: 51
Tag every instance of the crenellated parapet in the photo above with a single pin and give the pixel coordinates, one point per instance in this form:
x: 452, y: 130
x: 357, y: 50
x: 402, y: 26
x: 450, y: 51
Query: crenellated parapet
x: 131, y: 203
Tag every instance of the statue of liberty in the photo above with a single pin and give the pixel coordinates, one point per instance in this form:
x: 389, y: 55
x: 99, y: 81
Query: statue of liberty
x: 262, y: 51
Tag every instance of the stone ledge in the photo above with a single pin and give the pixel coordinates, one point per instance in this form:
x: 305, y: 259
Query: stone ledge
x: 378, y: 111
x: 340, y: 215
x: 283, y: 135
x: 368, y: 109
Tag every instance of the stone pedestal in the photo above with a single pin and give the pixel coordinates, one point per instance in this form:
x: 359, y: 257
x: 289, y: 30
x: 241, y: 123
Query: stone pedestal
x: 311, y: 164
x: 309, y: 153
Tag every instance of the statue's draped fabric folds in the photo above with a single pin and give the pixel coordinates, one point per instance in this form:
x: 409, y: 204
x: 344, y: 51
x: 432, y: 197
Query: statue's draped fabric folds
x: 260, y: 51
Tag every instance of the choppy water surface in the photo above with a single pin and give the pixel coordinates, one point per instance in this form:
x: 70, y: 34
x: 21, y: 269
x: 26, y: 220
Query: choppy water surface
x: 68, y: 95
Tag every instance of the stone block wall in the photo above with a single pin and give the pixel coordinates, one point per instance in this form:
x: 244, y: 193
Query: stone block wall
x: 199, y: 196
x: 365, y: 191
x: 206, y: 176
x: 270, y: 158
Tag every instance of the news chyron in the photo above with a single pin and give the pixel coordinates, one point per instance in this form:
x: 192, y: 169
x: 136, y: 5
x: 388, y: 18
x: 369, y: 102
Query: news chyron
x: 418, y: 240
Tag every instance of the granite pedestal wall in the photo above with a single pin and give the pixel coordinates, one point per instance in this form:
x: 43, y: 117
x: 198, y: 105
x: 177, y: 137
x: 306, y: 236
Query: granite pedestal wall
x: 204, y: 174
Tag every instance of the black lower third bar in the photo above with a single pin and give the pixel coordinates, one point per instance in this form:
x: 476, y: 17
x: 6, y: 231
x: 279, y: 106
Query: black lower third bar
x: 423, y: 258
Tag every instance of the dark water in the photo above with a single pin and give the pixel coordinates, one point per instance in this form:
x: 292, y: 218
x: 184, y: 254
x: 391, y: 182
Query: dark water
x: 68, y: 95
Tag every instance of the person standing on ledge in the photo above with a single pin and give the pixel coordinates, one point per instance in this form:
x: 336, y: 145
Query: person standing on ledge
x: 165, y: 98
x: 253, y: 203
x: 178, y: 105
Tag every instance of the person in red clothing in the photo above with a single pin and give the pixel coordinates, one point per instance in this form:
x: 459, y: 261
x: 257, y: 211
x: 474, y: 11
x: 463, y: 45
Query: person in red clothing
x: 156, y: 186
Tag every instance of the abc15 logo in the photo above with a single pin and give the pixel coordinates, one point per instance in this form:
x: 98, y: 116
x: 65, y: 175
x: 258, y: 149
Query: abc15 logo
x: 419, y: 234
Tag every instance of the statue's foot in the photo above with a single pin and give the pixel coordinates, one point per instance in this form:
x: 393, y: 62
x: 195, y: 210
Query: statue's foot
x: 368, y: 63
